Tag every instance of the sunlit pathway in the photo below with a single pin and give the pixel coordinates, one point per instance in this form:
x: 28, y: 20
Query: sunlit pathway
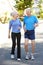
x: 5, y: 48
x: 4, y: 34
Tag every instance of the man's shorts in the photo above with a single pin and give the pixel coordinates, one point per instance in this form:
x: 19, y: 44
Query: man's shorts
x: 30, y: 34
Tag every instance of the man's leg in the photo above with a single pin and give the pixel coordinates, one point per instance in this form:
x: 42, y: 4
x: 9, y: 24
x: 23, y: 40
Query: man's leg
x: 26, y: 49
x: 33, y: 48
x: 26, y: 45
x: 33, y: 45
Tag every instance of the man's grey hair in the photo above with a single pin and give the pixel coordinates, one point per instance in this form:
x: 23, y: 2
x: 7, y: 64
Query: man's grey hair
x: 28, y: 9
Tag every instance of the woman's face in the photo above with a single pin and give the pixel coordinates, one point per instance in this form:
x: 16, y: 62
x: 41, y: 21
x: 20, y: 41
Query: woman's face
x: 15, y: 16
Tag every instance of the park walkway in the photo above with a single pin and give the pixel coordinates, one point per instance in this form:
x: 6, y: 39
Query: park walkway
x: 6, y: 60
x: 5, y: 48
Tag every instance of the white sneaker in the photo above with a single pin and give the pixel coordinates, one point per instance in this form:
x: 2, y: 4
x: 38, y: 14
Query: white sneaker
x: 12, y: 56
x: 18, y: 59
x: 32, y: 57
x: 27, y: 56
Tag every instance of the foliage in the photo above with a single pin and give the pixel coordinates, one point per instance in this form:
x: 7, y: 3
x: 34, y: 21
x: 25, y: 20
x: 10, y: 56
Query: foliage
x: 4, y: 19
x: 40, y: 7
x: 23, y: 4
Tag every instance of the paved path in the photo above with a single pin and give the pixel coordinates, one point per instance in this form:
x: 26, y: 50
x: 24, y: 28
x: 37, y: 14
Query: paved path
x: 5, y: 48
x: 6, y: 60
x: 4, y: 32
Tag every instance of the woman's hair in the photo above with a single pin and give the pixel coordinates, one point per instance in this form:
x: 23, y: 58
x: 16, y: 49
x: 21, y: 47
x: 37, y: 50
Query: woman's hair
x: 14, y: 13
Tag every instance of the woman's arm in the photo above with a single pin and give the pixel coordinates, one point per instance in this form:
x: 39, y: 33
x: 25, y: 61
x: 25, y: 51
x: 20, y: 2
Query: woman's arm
x: 20, y: 25
x: 24, y: 27
x: 9, y: 34
x: 9, y: 29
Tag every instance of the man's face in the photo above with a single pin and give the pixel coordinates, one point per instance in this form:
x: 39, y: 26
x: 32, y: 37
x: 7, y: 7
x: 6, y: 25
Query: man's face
x: 28, y: 13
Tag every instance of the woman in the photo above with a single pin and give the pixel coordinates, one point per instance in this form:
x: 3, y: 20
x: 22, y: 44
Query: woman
x: 15, y: 25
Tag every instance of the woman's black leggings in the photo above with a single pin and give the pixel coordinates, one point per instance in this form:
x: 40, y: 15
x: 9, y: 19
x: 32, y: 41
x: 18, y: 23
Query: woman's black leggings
x: 15, y: 36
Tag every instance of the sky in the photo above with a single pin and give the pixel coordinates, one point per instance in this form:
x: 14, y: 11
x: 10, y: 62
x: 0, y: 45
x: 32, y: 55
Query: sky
x: 6, y: 5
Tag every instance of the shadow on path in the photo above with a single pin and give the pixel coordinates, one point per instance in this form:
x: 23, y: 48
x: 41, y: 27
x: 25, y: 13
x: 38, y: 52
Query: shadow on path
x: 6, y: 60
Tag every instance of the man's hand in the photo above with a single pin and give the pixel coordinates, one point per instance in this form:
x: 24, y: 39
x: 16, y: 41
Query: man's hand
x: 35, y: 25
x: 24, y: 28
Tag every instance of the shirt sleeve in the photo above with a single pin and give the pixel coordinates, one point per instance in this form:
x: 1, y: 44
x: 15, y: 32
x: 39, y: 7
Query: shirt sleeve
x: 10, y: 24
x: 20, y: 23
x: 36, y: 20
x: 24, y: 21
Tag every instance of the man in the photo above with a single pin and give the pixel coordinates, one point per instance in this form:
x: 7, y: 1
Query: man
x: 30, y: 23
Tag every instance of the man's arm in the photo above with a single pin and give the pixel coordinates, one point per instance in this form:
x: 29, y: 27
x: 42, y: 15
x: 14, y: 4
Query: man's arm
x: 36, y: 24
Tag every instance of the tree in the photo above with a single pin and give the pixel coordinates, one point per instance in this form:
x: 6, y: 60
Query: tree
x: 23, y: 4
x: 41, y: 9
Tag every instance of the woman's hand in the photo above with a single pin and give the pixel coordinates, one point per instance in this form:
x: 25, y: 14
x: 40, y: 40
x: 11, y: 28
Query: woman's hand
x: 8, y: 35
x: 19, y: 28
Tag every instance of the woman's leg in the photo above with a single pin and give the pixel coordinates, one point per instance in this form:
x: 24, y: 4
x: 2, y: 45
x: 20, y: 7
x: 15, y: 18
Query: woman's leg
x: 13, y: 35
x: 18, y: 45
